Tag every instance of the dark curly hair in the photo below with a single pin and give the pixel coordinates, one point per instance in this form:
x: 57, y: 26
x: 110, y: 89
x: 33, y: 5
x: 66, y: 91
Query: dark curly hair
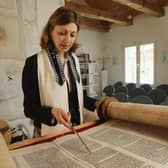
x: 61, y: 16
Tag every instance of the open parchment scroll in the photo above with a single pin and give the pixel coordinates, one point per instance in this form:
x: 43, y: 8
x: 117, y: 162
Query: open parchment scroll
x: 114, y: 144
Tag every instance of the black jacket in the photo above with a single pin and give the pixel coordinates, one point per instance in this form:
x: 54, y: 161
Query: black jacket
x: 32, y: 105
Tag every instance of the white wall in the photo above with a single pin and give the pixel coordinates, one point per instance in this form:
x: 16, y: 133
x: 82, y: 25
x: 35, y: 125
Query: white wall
x: 22, y: 22
x: 10, y: 40
x: 145, y: 29
x: 44, y: 9
x: 91, y: 42
x: 10, y: 44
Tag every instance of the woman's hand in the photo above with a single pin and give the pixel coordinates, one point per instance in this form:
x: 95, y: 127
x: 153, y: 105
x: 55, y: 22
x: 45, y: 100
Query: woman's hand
x: 62, y: 117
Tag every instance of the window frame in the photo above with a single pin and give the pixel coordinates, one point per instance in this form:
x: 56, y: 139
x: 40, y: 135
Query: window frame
x: 137, y: 45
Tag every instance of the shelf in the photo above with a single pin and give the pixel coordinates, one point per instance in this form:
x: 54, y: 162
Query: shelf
x: 89, y: 85
x: 86, y: 63
x: 87, y: 75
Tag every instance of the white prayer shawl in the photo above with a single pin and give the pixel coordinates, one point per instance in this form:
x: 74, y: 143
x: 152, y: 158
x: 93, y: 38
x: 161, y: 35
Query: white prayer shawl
x: 52, y: 94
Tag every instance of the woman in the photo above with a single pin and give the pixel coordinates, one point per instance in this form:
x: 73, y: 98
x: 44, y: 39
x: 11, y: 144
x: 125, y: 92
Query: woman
x: 51, y: 80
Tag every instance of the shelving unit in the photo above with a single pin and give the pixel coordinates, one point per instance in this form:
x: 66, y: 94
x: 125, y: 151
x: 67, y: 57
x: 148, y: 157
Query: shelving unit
x: 89, y: 77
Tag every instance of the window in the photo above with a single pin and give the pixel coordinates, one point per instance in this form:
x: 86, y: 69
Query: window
x: 139, y: 64
x: 130, y: 64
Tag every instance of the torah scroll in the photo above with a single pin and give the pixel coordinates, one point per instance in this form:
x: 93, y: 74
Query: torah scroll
x: 5, y: 158
x: 109, y: 107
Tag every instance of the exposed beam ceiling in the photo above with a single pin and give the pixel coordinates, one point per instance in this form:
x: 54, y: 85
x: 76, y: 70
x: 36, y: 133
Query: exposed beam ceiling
x: 100, y: 15
x: 94, y: 13
x: 95, y: 24
x: 142, y: 6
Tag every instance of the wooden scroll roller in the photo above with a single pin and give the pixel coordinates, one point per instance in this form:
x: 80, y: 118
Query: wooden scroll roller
x: 109, y: 107
x: 5, y: 131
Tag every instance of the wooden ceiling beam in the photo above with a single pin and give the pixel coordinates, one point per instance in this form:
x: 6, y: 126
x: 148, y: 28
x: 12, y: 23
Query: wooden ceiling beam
x: 93, y: 13
x: 142, y: 6
x: 94, y: 25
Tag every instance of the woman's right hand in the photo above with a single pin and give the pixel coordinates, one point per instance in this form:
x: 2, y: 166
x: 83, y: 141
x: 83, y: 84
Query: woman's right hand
x: 62, y: 117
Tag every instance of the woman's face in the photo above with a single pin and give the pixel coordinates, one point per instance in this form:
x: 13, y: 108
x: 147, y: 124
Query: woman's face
x: 64, y: 36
